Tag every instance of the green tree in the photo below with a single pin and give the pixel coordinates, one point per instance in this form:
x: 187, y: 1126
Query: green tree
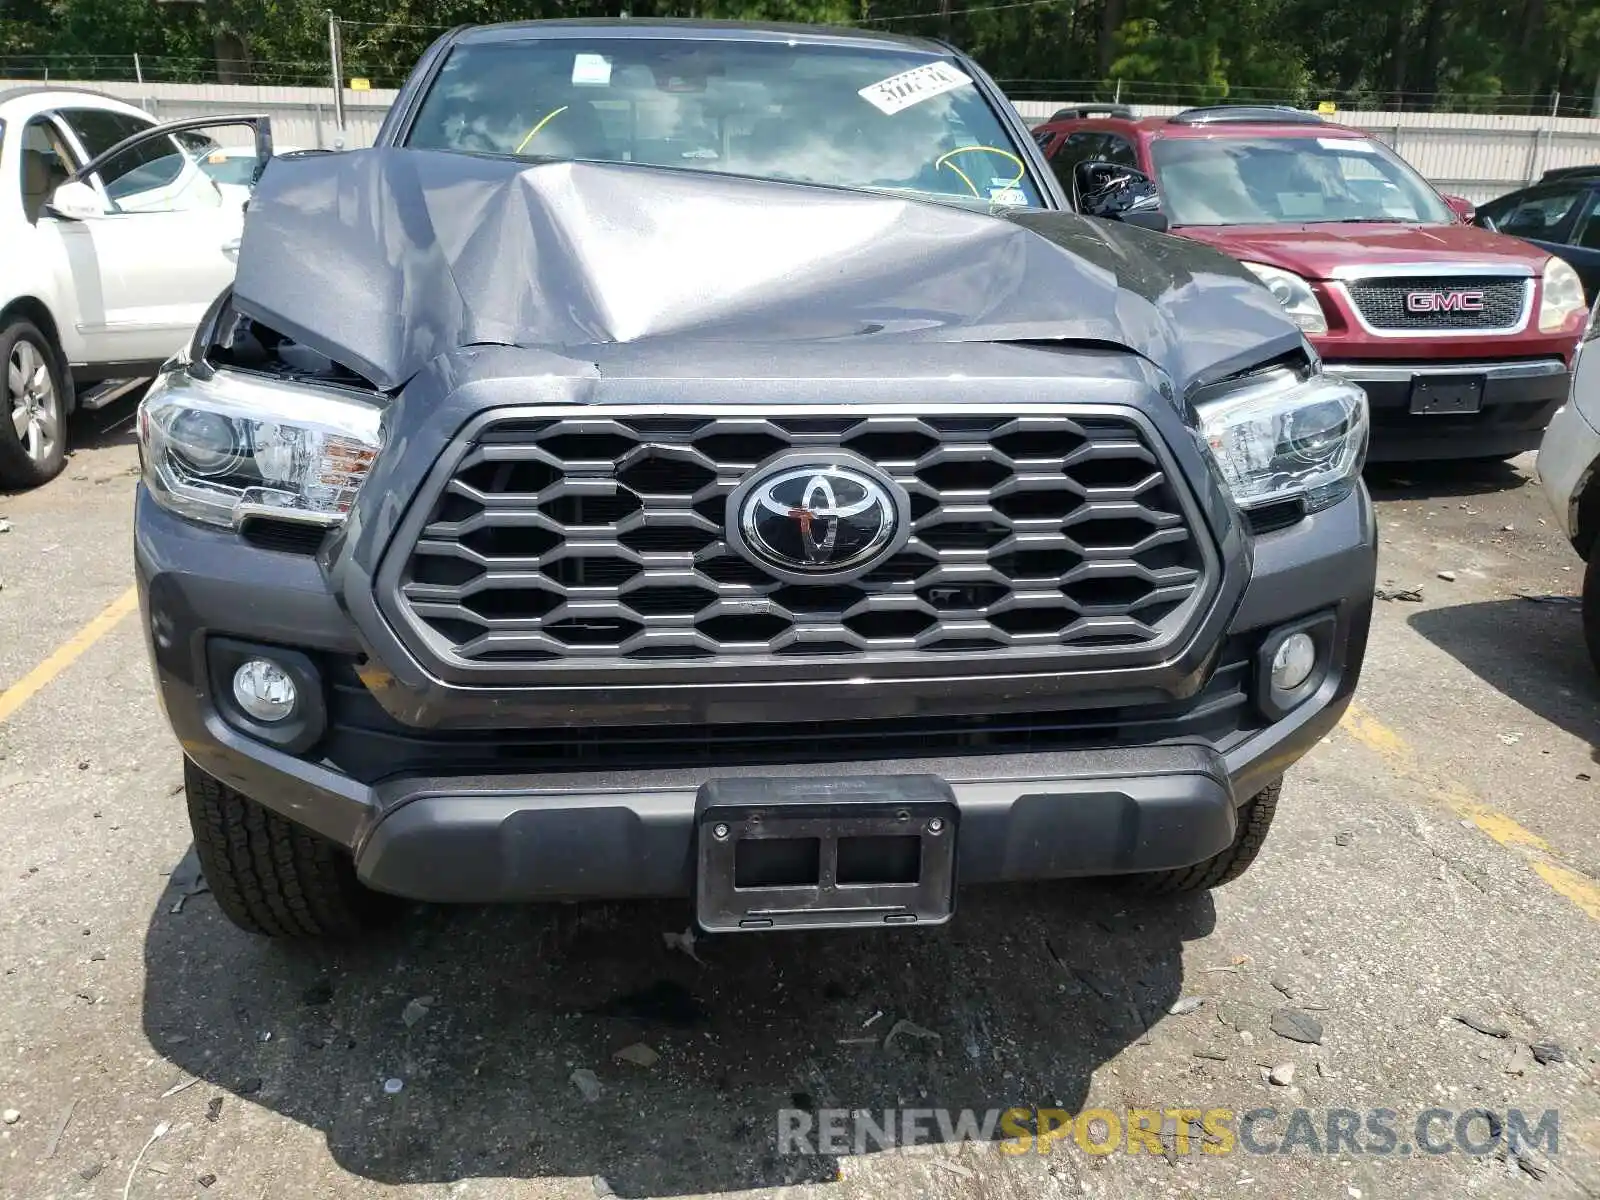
x: 1402, y: 53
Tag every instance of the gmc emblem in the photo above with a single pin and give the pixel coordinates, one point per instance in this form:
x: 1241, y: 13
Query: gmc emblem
x: 1426, y: 302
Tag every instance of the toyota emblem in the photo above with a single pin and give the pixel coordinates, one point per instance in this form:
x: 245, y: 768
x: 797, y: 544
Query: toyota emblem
x: 818, y: 516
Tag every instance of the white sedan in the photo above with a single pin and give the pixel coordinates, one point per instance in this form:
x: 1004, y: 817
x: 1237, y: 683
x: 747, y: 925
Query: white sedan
x: 116, y: 240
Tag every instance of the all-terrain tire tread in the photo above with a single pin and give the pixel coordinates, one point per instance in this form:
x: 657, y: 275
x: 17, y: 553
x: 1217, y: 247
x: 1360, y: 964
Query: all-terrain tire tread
x: 268, y: 875
x: 1255, y: 818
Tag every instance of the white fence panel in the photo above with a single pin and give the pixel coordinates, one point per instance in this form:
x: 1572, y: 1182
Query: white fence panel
x: 302, y: 117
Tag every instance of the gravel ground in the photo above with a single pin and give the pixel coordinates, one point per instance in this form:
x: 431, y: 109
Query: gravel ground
x: 1434, y: 859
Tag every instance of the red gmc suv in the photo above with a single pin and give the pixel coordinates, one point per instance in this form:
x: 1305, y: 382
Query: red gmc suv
x: 1462, y: 338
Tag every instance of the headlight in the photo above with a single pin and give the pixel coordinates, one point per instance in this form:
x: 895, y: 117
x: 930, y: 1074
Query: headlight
x: 232, y: 446
x: 1562, y: 296
x: 1278, y: 437
x: 1295, y: 294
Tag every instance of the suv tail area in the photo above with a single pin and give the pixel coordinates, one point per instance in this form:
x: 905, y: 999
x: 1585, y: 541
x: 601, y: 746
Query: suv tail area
x: 1462, y: 338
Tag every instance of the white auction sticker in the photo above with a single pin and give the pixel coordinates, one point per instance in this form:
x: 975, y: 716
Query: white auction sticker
x: 1353, y: 145
x: 591, y: 70
x: 901, y: 91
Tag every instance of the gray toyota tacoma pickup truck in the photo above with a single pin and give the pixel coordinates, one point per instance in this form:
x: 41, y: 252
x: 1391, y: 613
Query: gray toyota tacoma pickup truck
x: 716, y: 461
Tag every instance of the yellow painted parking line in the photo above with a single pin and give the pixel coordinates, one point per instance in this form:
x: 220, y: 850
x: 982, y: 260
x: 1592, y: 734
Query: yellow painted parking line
x: 1566, y: 881
x: 66, y: 654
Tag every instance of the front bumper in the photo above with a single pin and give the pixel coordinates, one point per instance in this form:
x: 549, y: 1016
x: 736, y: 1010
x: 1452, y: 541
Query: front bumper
x: 470, y: 821
x: 1519, y: 398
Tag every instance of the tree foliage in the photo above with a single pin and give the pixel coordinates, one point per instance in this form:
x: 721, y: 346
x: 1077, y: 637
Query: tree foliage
x: 1486, y: 54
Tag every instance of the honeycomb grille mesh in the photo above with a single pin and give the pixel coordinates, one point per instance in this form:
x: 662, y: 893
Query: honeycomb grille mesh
x: 1383, y: 302
x: 582, y: 540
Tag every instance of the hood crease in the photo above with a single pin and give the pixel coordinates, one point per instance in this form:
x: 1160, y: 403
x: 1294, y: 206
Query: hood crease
x: 383, y: 259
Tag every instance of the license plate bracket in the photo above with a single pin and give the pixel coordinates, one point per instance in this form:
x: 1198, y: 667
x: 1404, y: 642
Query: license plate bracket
x: 1446, y: 395
x: 824, y: 853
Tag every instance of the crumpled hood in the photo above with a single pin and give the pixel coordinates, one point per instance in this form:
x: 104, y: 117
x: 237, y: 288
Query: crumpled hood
x: 384, y: 259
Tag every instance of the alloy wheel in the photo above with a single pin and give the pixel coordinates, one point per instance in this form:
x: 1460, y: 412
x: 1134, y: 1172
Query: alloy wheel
x: 35, y: 408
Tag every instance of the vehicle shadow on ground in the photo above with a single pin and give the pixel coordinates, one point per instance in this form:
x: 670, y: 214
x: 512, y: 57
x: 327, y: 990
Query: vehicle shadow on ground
x: 1531, y: 651
x: 1430, y: 480
x: 1029, y: 990
x: 113, y: 425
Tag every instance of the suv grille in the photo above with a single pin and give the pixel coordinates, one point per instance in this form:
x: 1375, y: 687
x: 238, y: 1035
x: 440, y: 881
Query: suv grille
x: 581, y: 539
x: 1383, y: 303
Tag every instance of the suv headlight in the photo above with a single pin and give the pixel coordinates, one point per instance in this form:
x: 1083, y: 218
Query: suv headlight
x: 1279, y: 436
x: 1561, y: 296
x: 1295, y: 294
x: 231, y: 446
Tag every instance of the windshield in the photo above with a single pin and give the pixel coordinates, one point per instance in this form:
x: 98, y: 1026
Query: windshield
x: 230, y: 168
x: 862, y: 118
x: 1289, y: 181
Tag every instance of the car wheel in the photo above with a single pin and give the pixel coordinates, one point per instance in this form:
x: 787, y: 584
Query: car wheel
x: 1591, y: 606
x: 33, y: 424
x: 1255, y: 818
x: 270, y: 876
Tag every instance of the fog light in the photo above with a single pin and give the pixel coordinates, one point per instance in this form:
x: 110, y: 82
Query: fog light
x: 264, y: 690
x: 1294, y: 661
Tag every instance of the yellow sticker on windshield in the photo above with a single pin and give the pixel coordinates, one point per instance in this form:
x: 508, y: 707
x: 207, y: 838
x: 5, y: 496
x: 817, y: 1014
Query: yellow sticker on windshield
x: 899, y: 92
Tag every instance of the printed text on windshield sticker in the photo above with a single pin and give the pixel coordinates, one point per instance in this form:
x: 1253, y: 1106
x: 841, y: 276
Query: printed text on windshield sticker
x: 591, y: 70
x: 901, y: 91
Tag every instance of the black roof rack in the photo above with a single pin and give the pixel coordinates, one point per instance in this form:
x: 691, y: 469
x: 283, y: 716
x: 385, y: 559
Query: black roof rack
x: 1254, y: 114
x: 1075, y: 112
x: 1570, y: 172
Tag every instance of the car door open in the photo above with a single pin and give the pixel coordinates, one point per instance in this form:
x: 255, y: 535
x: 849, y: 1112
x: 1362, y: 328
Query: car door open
x: 163, y: 234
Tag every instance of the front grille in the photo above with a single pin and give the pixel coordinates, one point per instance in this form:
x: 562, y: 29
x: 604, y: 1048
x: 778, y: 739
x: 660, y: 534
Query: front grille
x: 367, y: 744
x: 578, y: 540
x: 287, y: 537
x: 1383, y: 303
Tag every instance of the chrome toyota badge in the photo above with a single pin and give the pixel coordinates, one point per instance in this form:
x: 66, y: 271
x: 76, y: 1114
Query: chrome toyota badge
x: 811, y: 517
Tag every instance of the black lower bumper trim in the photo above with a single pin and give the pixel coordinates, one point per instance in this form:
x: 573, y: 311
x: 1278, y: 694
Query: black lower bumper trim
x: 825, y: 852
x: 1107, y: 812
x: 1517, y: 402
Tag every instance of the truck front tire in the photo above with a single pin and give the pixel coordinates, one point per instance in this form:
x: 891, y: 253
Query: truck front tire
x: 1591, y: 605
x: 271, y: 877
x: 1255, y: 818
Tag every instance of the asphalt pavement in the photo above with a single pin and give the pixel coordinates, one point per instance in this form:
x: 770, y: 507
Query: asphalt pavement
x: 1418, y: 939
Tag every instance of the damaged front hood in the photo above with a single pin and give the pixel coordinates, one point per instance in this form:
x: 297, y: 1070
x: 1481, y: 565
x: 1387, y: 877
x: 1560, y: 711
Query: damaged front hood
x: 384, y: 259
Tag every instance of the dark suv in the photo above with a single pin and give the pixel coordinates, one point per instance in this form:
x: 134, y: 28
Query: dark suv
x: 1561, y: 214
x: 691, y: 459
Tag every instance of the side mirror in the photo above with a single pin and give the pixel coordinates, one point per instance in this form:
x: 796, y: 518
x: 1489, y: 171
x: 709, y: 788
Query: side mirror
x: 1117, y: 193
x: 1463, y: 208
x: 76, y: 201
